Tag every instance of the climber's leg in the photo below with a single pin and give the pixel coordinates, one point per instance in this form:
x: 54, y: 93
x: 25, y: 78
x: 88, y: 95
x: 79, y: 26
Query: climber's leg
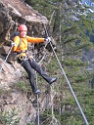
x: 26, y: 65
x: 35, y: 66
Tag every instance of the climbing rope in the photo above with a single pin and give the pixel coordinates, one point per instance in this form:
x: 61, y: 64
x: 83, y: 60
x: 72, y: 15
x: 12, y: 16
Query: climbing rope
x: 38, y: 114
x: 37, y: 110
x: 54, y: 121
x: 44, y: 49
x: 37, y: 98
x: 68, y: 82
x: 6, y: 58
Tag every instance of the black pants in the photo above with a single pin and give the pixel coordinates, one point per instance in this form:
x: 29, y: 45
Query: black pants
x: 29, y: 65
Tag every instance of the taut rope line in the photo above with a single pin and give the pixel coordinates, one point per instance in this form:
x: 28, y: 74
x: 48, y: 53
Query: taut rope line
x: 6, y: 58
x: 68, y: 82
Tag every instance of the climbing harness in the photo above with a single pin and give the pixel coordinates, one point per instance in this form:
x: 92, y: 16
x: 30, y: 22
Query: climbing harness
x: 6, y: 58
x: 68, y: 82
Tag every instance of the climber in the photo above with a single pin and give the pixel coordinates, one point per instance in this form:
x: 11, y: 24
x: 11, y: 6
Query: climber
x: 20, y: 48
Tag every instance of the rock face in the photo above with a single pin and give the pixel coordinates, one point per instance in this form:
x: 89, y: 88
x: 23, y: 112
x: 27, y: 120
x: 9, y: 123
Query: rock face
x: 23, y: 107
x: 15, y: 91
x: 16, y: 12
x: 12, y: 13
x: 5, y: 23
x: 24, y: 11
x: 9, y: 73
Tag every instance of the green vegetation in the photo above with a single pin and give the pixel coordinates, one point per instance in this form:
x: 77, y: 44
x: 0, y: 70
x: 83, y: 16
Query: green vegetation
x: 9, y: 118
x: 23, y: 86
x: 72, y: 27
x: 73, y: 62
x: 31, y: 124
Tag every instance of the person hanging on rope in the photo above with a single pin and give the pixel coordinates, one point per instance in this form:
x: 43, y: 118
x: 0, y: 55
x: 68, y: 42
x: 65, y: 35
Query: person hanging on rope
x: 20, y: 48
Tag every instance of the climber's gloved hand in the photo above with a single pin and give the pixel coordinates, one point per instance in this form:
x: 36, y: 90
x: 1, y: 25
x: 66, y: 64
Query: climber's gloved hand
x: 48, y: 39
x: 13, y: 44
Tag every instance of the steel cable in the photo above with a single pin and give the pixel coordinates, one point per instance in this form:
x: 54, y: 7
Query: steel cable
x: 68, y: 82
x: 6, y: 58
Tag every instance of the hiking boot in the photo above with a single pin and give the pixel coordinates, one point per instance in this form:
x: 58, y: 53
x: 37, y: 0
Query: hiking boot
x: 37, y: 91
x: 52, y: 80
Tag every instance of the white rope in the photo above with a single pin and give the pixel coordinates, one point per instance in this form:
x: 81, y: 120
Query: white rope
x: 37, y: 97
x: 6, y: 59
x: 54, y: 121
x: 68, y: 82
x: 38, y: 116
x: 44, y: 49
x: 47, y: 43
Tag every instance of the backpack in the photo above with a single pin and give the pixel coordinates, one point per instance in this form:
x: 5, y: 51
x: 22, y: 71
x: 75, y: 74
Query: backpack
x: 16, y: 33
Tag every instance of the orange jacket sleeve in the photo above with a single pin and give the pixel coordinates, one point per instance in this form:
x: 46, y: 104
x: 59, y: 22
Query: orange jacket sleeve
x: 35, y: 40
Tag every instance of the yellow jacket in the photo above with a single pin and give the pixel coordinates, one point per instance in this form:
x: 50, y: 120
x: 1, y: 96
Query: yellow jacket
x: 24, y: 43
